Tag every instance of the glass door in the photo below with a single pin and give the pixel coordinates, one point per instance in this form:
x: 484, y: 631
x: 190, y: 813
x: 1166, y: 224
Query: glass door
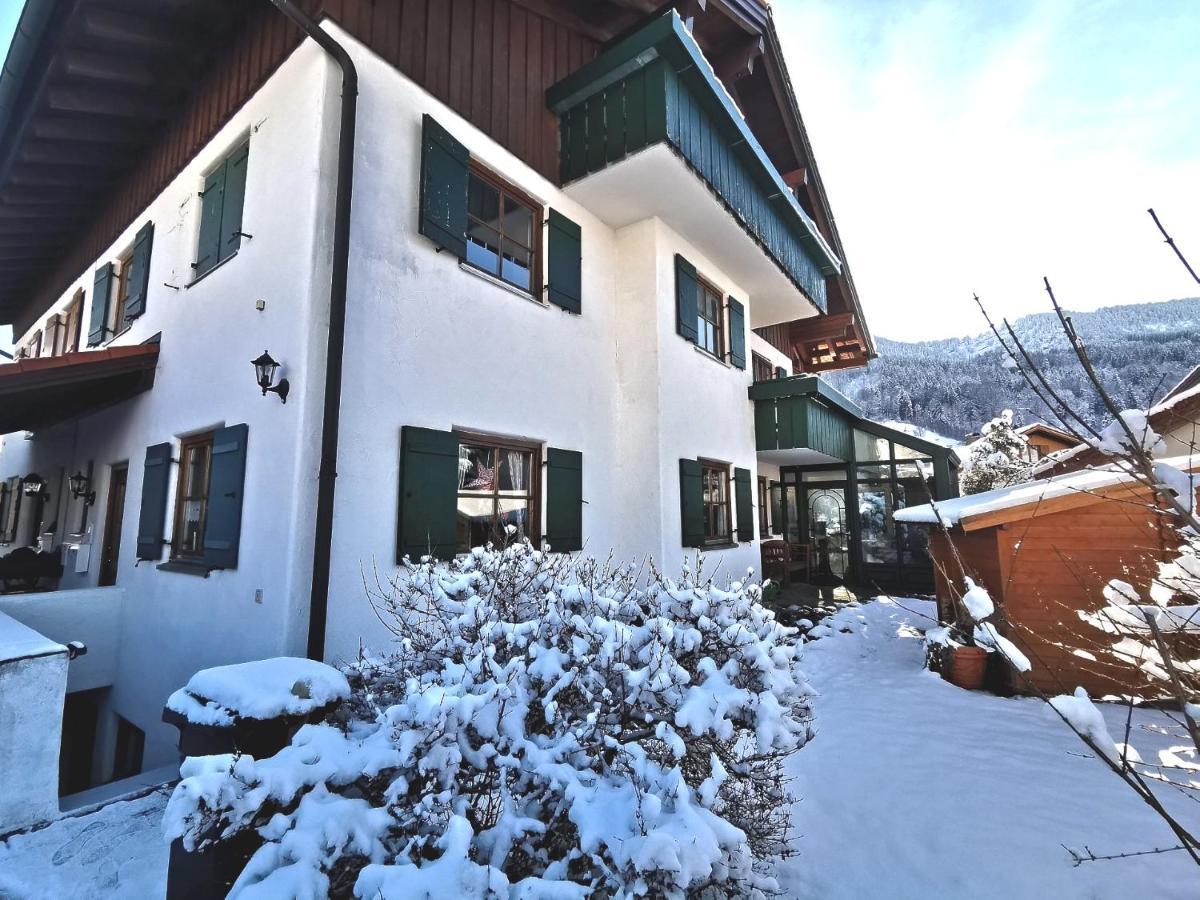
x: 828, y: 535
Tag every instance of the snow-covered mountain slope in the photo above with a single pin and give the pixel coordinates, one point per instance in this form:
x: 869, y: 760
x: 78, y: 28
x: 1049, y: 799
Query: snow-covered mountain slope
x: 952, y: 386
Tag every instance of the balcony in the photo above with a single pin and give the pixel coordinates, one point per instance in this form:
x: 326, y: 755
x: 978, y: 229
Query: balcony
x: 647, y: 129
x: 801, y: 420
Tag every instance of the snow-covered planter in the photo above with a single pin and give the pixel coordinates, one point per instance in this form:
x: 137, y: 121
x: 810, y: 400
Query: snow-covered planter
x: 545, y: 727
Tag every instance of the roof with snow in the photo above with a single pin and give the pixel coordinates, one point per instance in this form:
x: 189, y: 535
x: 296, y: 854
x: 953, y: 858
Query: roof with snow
x: 1178, y: 410
x: 1034, y: 498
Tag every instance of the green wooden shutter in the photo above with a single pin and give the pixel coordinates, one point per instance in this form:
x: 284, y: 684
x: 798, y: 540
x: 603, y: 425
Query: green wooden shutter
x: 775, y: 492
x: 153, y: 516
x: 139, y: 272
x: 101, y: 295
x: 686, y: 303
x: 235, y: 196
x: 428, y: 515
x: 226, y: 487
x: 565, y: 287
x: 443, y: 199
x: 691, y: 502
x: 564, y: 500
x: 743, y: 495
x: 737, y: 333
x: 212, y: 201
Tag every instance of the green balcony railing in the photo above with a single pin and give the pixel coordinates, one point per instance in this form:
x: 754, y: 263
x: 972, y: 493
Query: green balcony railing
x: 655, y: 86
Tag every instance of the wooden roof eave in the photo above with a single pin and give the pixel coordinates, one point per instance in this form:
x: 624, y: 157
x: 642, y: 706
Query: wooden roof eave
x: 1124, y: 491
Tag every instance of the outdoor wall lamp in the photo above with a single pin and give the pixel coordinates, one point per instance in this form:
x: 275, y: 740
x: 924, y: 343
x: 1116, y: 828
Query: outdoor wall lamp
x: 264, y: 374
x: 79, y: 488
x: 32, y: 484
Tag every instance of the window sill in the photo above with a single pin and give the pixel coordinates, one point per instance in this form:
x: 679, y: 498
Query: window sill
x: 120, y: 333
x: 726, y: 545
x: 200, y: 278
x: 707, y: 355
x: 183, y: 567
x: 501, y: 283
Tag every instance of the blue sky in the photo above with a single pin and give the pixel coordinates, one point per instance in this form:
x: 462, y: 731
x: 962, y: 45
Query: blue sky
x: 976, y: 146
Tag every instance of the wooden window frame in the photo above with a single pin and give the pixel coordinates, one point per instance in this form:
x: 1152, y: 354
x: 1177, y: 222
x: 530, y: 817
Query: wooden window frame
x: 121, y: 292
x: 499, y: 442
x: 763, y: 500
x: 704, y: 288
x: 722, y: 472
x: 73, y: 323
x: 761, y: 368
x: 476, y: 169
x: 186, y: 444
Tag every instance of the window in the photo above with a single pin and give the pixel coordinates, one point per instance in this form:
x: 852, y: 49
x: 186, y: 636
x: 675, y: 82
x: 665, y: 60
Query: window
x: 763, y: 530
x: 763, y: 370
x: 497, y: 491
x: 715, y: 486
x: 73, y: 318
x: 503, y: 230
x: 35, y: 346
x: 710, y: 320
x: 191, y: 498
x: 121, y: 292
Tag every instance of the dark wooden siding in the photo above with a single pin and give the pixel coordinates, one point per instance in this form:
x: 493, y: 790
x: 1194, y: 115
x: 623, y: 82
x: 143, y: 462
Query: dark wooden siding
x: 246, y: 63
x: 490, y: 60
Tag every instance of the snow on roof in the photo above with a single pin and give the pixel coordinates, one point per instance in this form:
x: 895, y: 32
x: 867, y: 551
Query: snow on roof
x: 1155, y: 414
x: 262, y: 689
x: 18, y: 641
x: 1084, y: 481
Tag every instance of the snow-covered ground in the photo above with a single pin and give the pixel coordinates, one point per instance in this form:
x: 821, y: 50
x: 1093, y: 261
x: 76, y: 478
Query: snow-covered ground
x: 116, y: 852
x: 916, y: 788
x: 913, y: 788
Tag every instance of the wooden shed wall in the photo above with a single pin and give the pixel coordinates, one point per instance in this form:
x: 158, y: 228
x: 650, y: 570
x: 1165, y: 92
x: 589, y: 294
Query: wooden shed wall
x: 1043, y: 570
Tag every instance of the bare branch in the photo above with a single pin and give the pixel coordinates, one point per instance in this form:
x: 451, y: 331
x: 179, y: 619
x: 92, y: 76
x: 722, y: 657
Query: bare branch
x: 1170, y: 241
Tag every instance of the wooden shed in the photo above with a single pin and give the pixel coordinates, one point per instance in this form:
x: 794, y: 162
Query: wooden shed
x: 1045, y: 550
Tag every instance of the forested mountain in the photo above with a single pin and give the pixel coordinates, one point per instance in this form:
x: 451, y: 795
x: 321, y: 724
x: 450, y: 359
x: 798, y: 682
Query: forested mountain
x: 953, y: 386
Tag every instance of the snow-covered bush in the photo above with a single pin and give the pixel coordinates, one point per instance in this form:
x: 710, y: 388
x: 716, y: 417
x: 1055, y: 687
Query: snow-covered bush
x: 545, y: 727
x: 999, y: 458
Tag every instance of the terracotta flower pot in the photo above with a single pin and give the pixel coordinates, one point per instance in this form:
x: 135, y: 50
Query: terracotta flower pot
x: 967, y: 667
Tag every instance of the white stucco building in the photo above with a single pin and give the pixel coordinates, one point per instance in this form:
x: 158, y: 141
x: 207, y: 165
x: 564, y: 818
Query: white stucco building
x: 570, y: 257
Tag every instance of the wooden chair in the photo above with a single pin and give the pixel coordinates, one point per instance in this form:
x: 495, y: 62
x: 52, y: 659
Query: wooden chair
x: 776, y: 561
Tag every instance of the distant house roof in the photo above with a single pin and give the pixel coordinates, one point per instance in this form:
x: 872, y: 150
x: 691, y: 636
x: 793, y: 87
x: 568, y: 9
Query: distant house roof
x: 1187, y: 383
x: 1034, y: 498
x: 1178, y: 410
x: 1049, y: 430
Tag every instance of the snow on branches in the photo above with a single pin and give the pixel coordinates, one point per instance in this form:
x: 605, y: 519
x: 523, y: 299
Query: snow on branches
x: 545, y: 726
x: 999, y: 458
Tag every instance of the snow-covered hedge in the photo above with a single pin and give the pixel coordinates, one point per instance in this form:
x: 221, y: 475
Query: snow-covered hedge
x: 546, y: 727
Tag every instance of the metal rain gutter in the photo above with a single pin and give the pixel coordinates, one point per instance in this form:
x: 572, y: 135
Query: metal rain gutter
x: 335, y: 344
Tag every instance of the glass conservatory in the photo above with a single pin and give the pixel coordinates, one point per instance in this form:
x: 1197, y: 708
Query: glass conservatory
x: 840, y: 479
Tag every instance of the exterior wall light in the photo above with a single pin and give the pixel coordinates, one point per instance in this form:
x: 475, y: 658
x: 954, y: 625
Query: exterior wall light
x: 264, y: 374
x: 32, y: 484
x: 79, y: 488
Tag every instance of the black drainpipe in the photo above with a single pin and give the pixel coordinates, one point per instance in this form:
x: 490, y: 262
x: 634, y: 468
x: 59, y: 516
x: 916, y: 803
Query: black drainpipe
x: 331, y: 418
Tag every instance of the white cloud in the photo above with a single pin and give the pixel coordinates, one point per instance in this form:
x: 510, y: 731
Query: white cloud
x: 978, y: 147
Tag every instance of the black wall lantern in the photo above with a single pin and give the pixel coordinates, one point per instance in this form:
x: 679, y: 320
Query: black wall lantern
x: 264, y: 374
x: 79, y: 488
x: 33, y: 484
